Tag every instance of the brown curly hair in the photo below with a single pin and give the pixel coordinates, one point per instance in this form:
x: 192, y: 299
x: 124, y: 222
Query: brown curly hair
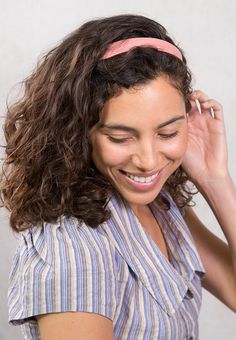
x: 48, y: 170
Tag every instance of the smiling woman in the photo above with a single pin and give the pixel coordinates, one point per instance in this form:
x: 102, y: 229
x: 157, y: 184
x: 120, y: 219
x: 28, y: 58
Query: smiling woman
x: 140, y: 139
x: 99, y: 152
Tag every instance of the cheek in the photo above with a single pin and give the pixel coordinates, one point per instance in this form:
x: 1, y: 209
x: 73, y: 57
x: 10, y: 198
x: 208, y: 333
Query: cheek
x: 107, y: 154
x: 182, y: 142
x: 177, y: 148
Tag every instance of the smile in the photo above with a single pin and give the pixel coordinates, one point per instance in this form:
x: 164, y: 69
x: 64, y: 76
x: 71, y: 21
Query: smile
x: 140, y: 179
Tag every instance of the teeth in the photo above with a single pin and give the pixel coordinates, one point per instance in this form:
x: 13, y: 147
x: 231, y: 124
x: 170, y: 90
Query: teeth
x: 142, y: 179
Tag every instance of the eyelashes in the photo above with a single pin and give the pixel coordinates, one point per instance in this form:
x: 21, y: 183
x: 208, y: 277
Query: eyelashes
x: 168, y: 135
x: 118, y: 140
x: 125, y: 140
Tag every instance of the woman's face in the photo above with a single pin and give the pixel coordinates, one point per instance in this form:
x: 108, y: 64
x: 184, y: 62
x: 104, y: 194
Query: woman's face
x: 140, y: 139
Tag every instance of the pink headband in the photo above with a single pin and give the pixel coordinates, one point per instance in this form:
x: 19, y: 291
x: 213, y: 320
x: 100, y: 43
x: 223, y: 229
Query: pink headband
x: 125, y: 45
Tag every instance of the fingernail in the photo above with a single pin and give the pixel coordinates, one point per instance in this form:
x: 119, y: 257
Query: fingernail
x: 212, y: 113
x: 198, y: 106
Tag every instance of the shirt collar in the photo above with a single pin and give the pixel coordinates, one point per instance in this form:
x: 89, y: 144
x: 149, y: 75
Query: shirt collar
x: 144, y: 258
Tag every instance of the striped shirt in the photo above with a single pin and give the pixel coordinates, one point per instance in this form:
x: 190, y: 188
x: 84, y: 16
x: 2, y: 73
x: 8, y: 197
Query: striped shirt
x: 115, y: 270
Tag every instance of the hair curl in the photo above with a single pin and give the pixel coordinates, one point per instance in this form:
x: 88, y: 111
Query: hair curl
x: 48, y: 170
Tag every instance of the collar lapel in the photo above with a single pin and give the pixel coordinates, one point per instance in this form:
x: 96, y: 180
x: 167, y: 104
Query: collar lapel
x: 143, y: 257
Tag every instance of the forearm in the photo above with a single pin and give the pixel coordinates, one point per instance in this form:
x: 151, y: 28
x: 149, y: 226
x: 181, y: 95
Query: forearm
x: 221, y: 197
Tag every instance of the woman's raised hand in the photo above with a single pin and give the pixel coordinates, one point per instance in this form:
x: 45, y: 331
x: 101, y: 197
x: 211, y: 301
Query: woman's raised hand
x: 206, y: 156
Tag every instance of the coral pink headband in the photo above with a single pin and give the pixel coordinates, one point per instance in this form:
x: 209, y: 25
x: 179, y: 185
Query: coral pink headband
x: 122, y: 46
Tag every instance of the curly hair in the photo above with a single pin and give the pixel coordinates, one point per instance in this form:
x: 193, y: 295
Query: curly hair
x: 48, y: 170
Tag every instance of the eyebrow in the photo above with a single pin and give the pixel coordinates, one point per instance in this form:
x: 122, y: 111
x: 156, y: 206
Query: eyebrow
x: 130, y: 129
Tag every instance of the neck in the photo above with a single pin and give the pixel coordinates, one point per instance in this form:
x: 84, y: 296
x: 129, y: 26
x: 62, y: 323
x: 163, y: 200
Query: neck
x: 140, y: 210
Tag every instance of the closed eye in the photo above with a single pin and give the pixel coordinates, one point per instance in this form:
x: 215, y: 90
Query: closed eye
x: 123, y: 140
x: 168, y: 135
x: 118, y: 140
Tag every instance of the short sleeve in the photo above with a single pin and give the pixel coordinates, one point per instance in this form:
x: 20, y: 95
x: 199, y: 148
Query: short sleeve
x: 61, y: 267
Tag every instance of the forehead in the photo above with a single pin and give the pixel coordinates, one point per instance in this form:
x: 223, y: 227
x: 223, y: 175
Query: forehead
x: 158, y: 99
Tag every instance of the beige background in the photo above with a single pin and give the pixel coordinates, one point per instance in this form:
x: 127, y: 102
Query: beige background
x: 206, y: 30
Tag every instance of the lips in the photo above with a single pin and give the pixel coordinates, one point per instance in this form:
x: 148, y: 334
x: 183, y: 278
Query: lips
x: 141, y: 183
x: 142, y: 179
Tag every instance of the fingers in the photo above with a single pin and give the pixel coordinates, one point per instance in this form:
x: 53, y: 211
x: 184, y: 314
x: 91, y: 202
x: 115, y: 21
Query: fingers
x: 214, y: 107
x: 200, y: 101
x: 201, y: 96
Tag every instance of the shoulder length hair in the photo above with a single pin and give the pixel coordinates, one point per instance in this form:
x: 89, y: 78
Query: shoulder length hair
x: 48, y: 170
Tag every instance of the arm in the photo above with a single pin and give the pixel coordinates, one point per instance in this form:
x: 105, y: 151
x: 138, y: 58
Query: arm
x: 205, y: 163
x: 75, y: 326
x: 217, y: 260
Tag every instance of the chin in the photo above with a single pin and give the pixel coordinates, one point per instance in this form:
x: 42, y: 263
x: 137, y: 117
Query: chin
x: 140, y: 198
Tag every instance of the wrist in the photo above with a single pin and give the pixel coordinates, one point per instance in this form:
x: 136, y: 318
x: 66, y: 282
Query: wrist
x: 215, y: 189
x: 207, y: 182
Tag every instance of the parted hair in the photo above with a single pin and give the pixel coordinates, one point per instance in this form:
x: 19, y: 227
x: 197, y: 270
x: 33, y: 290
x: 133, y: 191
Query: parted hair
x: 48, y: 170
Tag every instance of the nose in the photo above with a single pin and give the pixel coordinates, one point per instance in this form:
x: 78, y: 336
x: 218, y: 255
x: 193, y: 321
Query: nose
x: 147, y: 156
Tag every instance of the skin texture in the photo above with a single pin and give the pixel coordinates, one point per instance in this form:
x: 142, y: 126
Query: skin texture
x: 75, y: 326
x: 149, y: 146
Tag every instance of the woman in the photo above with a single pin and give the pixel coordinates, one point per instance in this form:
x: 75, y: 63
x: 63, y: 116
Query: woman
x: 99, y: 152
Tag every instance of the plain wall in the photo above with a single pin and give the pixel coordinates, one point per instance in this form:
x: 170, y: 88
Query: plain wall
x: 204, y: 29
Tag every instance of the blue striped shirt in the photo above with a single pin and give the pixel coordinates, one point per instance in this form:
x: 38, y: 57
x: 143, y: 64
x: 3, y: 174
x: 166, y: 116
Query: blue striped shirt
x: 115, y: 270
